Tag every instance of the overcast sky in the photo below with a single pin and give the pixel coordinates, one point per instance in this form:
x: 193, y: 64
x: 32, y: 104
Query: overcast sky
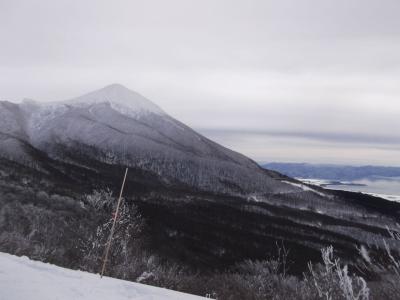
x: 309, y: 80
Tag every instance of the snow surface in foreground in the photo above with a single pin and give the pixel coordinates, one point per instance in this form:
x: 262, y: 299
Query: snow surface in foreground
x: 22, y: 278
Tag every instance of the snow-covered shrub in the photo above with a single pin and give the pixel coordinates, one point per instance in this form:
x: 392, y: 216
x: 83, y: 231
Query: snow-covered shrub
x: 331, y: 281
x: 166, y: 275
x: 267, y: 279
x: 100, y: 199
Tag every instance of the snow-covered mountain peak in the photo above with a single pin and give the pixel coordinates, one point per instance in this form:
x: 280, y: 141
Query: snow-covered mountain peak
x: 120, y: 98
x: 125, y: 128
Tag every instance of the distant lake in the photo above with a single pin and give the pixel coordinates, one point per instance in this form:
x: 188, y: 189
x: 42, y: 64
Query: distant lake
x: 386, y: 187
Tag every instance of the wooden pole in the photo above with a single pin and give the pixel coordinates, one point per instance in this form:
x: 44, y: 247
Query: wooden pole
x: 103, y: 269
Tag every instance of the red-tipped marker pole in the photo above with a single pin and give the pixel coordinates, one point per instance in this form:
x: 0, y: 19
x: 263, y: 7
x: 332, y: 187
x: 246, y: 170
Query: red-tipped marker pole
x: 103, y: 269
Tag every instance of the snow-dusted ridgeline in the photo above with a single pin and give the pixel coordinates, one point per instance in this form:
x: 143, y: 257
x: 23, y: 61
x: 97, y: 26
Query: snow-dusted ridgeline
x: 22, y: 278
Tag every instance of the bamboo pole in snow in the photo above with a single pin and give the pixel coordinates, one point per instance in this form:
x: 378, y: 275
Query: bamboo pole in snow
x: 103, y: 269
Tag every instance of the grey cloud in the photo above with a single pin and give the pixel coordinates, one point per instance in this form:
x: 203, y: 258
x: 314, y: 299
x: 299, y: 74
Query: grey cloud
x: 283, y: 66
x: 310, y: 147
x: 390, y: 142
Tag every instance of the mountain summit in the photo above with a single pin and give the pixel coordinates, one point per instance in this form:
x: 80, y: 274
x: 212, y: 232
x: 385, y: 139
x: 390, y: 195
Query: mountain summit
x: 120, y: 98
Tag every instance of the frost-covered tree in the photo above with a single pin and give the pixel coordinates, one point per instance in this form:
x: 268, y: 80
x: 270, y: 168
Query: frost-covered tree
x: 332, y: 281
x: 100, y: 200
x: 384, y: 265
x: 125, y: 241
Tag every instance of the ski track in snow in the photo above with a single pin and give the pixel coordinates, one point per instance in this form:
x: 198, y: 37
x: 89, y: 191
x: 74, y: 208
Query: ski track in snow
x: 22, y: 278
x: 305, y: 188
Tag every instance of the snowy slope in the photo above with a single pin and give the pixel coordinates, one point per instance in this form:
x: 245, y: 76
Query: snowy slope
x: 21, y: 278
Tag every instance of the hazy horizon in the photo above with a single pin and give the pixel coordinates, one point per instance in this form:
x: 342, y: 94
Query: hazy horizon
x: 288, y: 81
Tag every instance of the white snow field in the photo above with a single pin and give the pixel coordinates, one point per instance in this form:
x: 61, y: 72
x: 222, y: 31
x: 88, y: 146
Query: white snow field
x: 25, y: 279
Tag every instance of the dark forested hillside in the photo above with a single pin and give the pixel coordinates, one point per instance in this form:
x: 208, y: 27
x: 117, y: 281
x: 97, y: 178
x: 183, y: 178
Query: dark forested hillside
x: 43, y: 209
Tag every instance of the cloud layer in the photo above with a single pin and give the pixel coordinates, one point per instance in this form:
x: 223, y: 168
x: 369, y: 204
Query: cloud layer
x: 313, y: 80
